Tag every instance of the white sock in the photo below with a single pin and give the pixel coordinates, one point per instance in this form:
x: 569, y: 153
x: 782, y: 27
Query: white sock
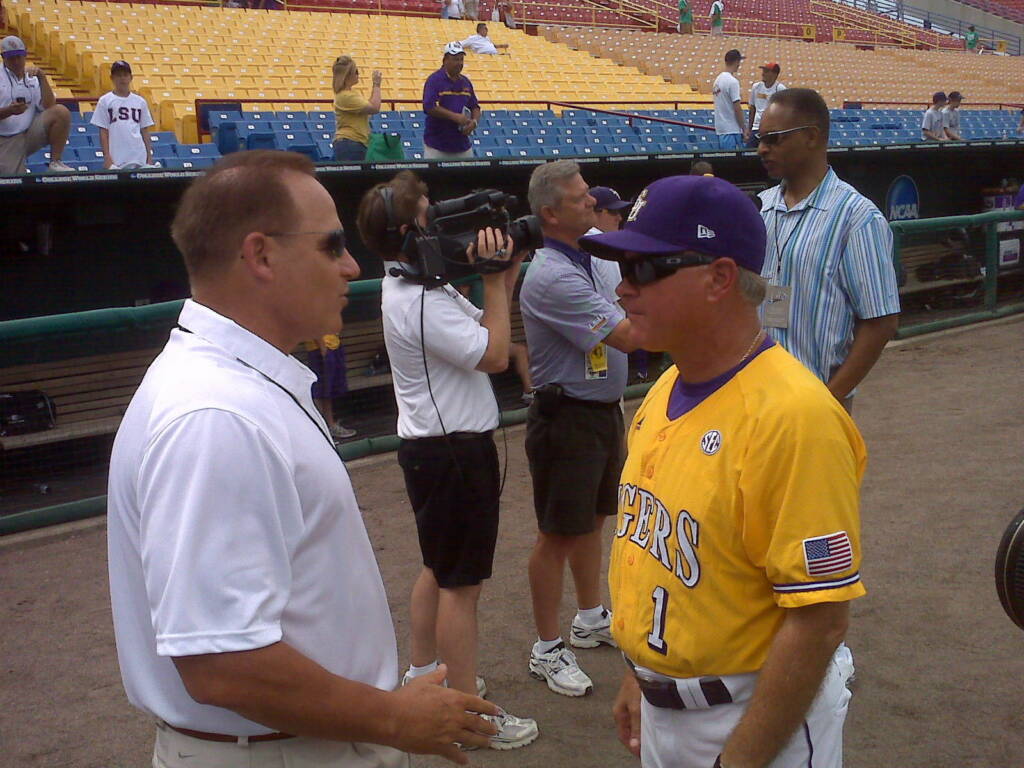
x: 545, y: 646
x: 591, y: 617
x: 415, y: 671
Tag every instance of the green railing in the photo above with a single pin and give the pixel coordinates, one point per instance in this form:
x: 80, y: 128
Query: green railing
x: 37, y: 329
x: 988, y: 221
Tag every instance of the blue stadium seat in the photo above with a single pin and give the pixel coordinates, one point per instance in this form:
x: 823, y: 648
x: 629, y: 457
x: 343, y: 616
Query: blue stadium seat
x: 290, y: 139
x: 292, y: 116
x: 80, y: 140
x: 216, y: 119
x: 40, y: 157
x: 191, y: 163
x: 198, y: 150
x: 88, y: 165
x: 260, y: 139
x: 163, y: 137
x: 160, y: 151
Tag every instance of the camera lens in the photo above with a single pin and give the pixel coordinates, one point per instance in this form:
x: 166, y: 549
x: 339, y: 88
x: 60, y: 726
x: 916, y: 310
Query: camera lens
x: 526, y: 234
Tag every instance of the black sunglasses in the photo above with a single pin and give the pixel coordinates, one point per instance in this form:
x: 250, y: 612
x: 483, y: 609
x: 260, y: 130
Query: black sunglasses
x: 334, y: 246
x: 653, y: 268
x: 771, y: 138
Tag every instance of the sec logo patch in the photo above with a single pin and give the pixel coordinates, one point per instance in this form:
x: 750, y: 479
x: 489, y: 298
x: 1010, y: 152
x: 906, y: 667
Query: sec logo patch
x: 711, y: 442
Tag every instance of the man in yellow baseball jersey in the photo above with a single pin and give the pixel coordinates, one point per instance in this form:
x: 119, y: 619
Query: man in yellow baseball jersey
x: 737, y: 544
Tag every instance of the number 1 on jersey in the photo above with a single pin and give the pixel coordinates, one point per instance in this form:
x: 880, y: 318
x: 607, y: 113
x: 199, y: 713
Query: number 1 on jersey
x: 656, y: 638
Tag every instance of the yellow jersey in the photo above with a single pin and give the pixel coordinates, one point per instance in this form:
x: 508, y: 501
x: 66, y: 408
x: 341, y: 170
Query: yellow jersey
x: 740, y: 508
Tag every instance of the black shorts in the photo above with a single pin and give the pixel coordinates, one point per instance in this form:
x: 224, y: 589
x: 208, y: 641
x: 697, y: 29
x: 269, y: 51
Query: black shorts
x: 576, y: 458
x: 453, y: 486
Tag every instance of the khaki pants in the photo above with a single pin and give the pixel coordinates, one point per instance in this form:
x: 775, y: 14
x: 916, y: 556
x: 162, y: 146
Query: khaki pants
x: 176, y: 750
x: 14, y: 149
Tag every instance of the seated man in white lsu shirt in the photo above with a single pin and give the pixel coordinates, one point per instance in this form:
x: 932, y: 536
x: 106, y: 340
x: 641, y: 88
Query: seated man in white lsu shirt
x: 30, y: 117
x: 249, y: 613
x: 124, y: 121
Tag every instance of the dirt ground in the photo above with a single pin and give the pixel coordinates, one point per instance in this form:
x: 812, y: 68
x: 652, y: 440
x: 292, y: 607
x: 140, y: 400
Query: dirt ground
x: 939, y: 666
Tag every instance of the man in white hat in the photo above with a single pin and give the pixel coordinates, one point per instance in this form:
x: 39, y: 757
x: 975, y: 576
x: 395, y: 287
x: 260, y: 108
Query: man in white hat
x: 30, y: 117
x: 451, y: 107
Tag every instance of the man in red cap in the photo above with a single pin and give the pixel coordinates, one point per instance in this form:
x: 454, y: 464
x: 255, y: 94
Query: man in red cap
x: 760, y: 95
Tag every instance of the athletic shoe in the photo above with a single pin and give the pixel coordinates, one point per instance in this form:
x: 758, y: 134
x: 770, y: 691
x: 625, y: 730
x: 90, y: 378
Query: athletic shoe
x: 527, y: 397
x: 513, y: 732
x: 339, y: 432
x: 561, y: 671
x: 590, y: 637
x: 56, y: 166
x: 481, y: 684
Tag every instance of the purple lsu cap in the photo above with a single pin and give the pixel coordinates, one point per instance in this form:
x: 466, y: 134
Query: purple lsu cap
x: 607, y: 199
x: 687, y: 213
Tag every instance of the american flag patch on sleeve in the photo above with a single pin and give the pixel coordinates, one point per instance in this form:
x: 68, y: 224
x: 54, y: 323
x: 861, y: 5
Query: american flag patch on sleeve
x: 825, y: 555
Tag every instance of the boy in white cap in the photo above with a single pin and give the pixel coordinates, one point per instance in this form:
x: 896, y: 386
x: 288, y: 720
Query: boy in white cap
x: 30, y: 117
x: 124, y: 121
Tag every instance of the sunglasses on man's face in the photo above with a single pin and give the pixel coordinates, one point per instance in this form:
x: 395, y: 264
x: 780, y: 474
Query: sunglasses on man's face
x: 771, y: 138
x: 334, y: 240
x: 645, y: 271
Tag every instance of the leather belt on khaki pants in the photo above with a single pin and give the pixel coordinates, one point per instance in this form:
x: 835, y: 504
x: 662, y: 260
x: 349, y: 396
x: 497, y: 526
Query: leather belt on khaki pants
x: 226, y: 738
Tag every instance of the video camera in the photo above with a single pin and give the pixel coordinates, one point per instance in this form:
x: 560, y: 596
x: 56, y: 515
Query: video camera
x: 439, y: 250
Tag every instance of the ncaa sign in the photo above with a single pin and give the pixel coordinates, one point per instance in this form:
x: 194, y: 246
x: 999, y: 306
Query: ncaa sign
x: 902, y: 201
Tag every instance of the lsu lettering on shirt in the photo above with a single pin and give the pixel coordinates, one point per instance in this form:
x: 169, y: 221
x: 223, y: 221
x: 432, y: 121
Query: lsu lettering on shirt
x: 124, y: 117
x: 737, y: 510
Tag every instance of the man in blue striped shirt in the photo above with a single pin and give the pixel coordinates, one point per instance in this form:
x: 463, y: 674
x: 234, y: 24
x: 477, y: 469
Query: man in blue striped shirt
x: 832, y: 301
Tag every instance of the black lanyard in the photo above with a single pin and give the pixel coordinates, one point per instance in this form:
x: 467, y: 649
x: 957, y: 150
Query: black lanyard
x: 796, y: 227
x: 294, y: 399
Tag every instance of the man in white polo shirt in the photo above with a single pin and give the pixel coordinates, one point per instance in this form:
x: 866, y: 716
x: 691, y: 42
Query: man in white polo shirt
x: 481, y: 43
x: 249, y: 613
x: 30, y: 117
x: 441, y: 348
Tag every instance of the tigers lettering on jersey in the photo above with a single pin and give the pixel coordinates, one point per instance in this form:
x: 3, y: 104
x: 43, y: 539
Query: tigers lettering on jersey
x: 726, y: 519
x: 636, y: 508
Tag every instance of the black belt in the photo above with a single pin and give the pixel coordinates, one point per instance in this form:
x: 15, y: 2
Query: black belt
x: 452, y: 436
x: 665, y: 695
x: 589, y: 403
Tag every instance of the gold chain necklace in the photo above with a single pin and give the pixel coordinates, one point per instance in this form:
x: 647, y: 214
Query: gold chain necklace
x: 753, y: 344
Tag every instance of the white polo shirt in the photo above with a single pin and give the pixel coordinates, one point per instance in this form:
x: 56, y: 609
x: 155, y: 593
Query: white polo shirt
x: 454, y: 342
x: 11, y: 88
x: 760, y: 95
x: 726, y: 92
x: 232, y: 525
x: 479, y: 44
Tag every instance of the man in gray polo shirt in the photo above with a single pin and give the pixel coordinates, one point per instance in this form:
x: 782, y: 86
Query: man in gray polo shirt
x: 578, y: 339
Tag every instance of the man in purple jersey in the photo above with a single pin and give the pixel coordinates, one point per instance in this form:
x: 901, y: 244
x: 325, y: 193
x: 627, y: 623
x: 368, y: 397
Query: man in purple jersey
x: 451, y: 107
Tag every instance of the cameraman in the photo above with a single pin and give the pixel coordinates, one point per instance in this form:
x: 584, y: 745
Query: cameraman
x: 441, y: 349
x: 578, y: 339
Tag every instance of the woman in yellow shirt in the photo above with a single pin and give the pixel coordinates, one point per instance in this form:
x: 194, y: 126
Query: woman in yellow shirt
x: 352, y: 111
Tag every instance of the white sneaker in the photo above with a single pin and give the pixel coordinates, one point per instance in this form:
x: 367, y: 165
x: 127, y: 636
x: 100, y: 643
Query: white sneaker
x: 338, y: 432
x: 513, y: 732
x: 481, y: 684
x: 561, y: 671
x: 56, y: 166
x: 584, y: 636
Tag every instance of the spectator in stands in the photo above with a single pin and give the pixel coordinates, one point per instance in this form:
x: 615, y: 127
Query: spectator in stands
x: 444, y: 8
x: 249, y: 612
x: 832, y: 296
x: 326, y: 358
x: 1020, y: 125
x: 481, y: 43
x: 702, y: 168
x: 506, y: 13
x: 932, y: 122
x: 472, y: 9
x: 951, y: 117
x: 451, y: 107
x: 30, y: 117
x: 685, y: 18
x: 124, y: 121
x: 760, y: 94
x: 351, y: 111
x: 609, y: 209
x: 578, y: 338
x: 717, y: 22
x: 1018, y: 201
x: 729, y: 123
x: 456, y: 9
x: 441, y: 349
x: 971, y: 39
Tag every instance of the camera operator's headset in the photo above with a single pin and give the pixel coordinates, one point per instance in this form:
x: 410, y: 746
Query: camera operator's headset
x: 397, y: 243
